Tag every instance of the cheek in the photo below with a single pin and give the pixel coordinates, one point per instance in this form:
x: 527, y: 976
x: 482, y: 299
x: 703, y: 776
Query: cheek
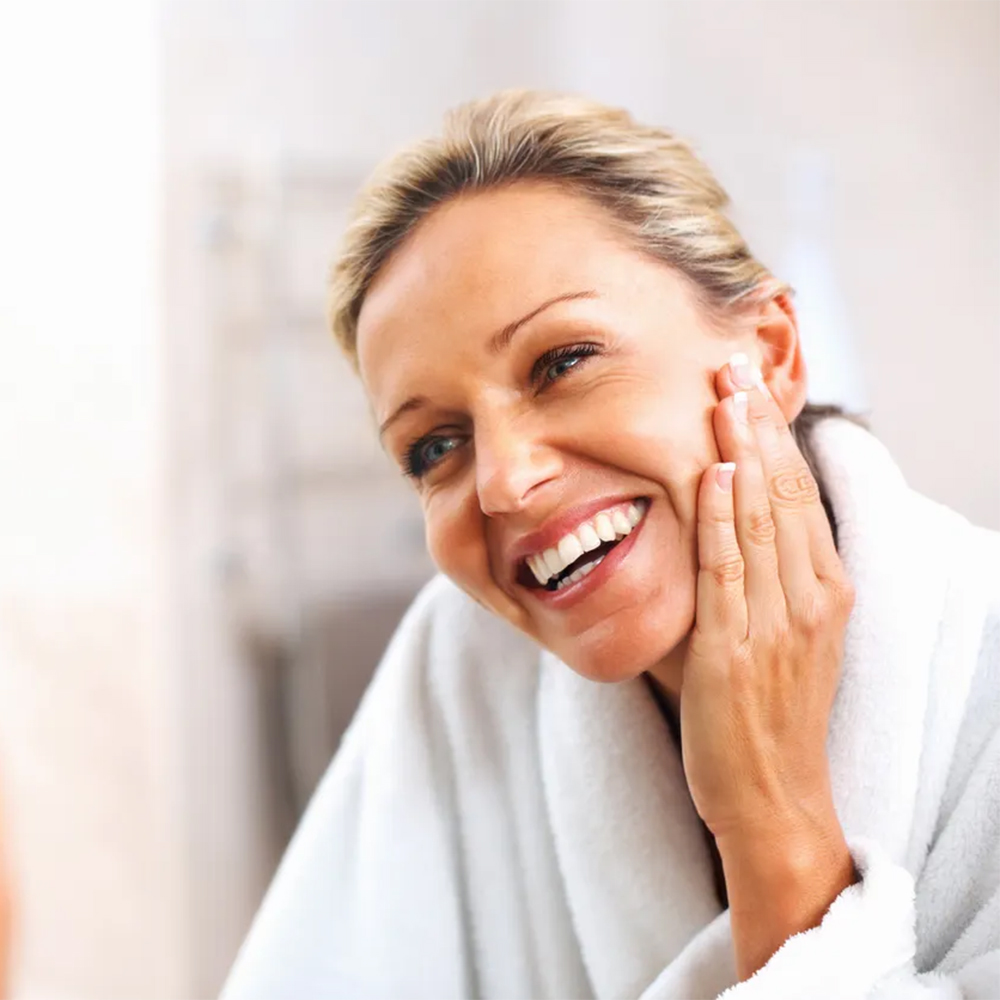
x: 656, y: 432
x: 447, y: 540
x: 457, y: 545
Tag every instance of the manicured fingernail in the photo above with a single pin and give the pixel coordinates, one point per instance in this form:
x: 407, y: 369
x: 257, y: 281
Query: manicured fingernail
x: 743, y: 374
x: 724, y: 476
x: 740, y: 406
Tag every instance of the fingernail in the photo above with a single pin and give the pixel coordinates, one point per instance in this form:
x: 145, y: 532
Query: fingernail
x: 740, y: 406
x: 743, y: 374
x: 724, y: 476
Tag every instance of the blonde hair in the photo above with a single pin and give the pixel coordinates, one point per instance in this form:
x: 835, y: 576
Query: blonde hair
x: 663, y: 198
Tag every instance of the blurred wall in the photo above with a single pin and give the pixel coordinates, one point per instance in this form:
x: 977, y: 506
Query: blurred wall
x: 90, y: 819
x: 133, y: 752
x: 132, y: 739
x: 900, y: 100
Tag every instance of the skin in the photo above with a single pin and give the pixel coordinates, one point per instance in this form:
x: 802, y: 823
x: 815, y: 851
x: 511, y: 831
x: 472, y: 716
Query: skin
x: 732, y: 595
x: 637, y: 420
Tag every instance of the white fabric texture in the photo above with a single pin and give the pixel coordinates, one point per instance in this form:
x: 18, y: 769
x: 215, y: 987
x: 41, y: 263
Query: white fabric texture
x: 494, y: 825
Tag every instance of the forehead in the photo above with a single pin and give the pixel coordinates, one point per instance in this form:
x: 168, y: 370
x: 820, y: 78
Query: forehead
x: 477, y: 258
x: 481, y: 261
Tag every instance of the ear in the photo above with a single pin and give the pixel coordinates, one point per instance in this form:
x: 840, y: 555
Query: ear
x: 780, y: 355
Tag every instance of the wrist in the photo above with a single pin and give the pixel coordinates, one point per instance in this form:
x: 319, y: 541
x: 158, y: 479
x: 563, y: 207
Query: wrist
x: 792, y: 867
x: 780, y: 881
x: 786, y: 845
x: 799, y: 822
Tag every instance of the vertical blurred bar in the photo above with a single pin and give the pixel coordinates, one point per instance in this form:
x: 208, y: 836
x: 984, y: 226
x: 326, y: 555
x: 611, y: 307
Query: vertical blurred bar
x: 92, y: 802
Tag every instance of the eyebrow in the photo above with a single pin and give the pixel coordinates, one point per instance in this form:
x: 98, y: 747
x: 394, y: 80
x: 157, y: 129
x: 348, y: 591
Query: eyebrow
x: 498, y: 343
x: 413, y: 403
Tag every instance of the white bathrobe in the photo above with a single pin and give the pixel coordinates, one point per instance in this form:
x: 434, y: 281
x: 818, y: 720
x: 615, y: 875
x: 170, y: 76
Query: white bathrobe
x: 494, y: 825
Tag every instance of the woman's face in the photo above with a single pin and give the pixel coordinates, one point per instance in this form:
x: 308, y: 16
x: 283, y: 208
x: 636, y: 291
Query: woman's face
x: 531, y: 372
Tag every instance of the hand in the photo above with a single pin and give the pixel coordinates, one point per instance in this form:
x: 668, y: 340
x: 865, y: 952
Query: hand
x: 764, y: 658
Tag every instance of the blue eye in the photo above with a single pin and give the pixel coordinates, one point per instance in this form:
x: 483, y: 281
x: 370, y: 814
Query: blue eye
x: 552, y: 365
x: 562, y: 366
x: 426, y: 453
x: 436, y: 449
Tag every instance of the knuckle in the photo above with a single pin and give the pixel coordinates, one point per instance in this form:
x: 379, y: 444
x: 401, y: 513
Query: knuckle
x: 760, y: 524
x: 810, y: 611
x: 830, y: 603
x: 728, y: 569
x: 842, y: 594
x: 793, y: 487
x: 718, y: 515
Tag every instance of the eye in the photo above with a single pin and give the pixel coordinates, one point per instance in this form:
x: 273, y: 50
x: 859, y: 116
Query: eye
x: 552, y: 365
x: 560, y: 367
x: 425, y: 453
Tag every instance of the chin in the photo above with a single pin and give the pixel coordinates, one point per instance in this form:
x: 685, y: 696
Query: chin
x: 604, y: 670
x: 623, y: 652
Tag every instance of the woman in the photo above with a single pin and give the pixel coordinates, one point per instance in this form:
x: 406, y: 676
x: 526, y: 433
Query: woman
x: 600, y: 397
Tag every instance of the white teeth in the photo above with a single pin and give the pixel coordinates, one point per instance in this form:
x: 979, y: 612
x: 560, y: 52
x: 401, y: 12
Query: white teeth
x: 580, y: 573
x: 553, y: 562
x: 620, y: 522
x: 537, y: 567
x: 604, y: 527
x: 570, y: 549
x: 588, y: 537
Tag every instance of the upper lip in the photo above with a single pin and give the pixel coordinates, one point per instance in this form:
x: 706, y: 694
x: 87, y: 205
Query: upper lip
x: 568, y: 519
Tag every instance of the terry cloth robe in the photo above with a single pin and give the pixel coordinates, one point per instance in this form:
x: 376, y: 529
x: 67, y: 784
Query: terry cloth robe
x: 494, y: 825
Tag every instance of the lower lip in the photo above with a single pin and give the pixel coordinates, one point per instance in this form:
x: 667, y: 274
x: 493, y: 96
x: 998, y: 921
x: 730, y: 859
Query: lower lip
x: 579, y: 591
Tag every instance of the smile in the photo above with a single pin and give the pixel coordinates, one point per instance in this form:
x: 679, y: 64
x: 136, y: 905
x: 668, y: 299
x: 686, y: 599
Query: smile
x: 580, y: 551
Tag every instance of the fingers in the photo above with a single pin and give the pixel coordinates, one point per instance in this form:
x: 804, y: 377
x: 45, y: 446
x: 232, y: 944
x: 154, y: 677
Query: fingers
x: 755, y: 525
x: 739, y: 373
x: 721, y: 603
x: 728, y: 381
x: 724, y: 382
x: 803, y: 542
x: 792, y: 487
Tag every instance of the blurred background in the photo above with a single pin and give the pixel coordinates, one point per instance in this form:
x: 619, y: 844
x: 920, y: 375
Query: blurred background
x: 202, y: 551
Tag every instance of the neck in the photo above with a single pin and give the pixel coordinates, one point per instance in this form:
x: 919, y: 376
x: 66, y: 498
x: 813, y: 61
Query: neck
x: 667, y: 677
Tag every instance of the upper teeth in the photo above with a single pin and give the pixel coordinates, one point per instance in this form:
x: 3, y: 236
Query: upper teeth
x: 607, y: 526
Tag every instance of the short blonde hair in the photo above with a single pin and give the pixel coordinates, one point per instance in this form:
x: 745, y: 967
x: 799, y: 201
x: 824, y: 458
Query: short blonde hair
x: 663, y: 198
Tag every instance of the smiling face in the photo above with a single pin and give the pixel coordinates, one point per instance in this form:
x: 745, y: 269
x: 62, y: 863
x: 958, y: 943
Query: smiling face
x: 532, y: 372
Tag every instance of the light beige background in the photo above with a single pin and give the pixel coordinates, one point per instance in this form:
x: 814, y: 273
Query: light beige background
x: 201, y: 481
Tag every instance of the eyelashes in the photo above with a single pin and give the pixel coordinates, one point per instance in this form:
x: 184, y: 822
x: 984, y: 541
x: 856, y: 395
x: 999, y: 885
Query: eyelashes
x: 426, y: 452
x: 552, y: 359
x: 415, y: 460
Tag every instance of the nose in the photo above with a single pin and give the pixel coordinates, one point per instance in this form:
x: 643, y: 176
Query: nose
x: 511, y: 463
